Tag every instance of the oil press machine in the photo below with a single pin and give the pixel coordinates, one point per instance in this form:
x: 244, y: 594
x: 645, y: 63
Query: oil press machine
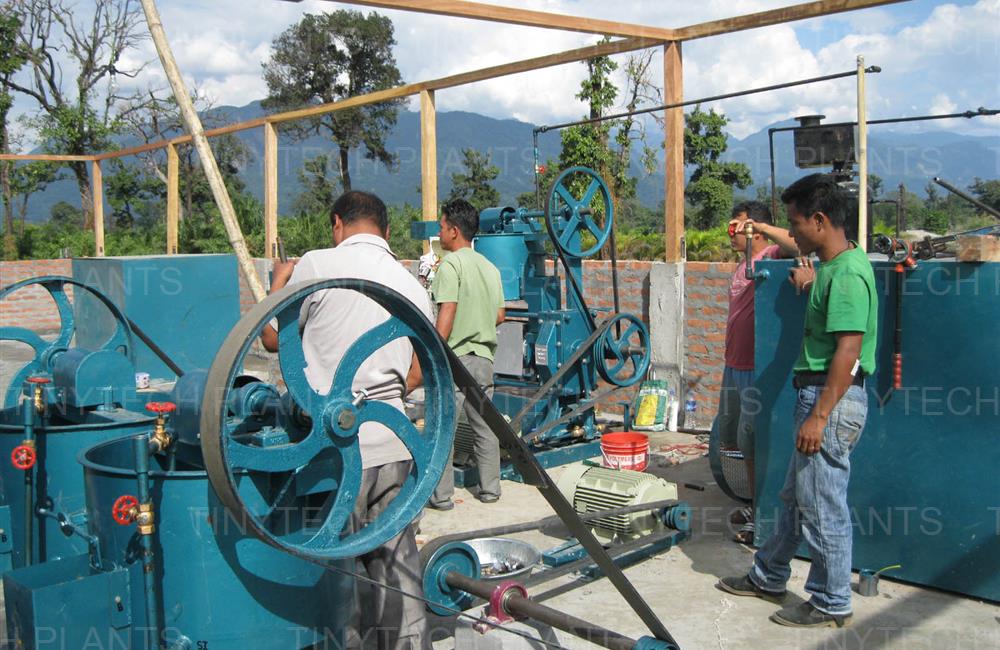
x: 552, y: 351
x: 222, y: 523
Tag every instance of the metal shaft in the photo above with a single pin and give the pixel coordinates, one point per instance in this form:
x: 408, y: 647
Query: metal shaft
x: 519, y: 606
x: 28, y: 411
x: 974, y: 201
x: 141, y: 446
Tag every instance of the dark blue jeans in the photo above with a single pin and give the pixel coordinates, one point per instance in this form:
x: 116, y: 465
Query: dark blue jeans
x: 815, y: 508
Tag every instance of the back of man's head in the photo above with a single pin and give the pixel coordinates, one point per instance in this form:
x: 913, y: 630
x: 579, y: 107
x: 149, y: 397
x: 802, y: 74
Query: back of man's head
x: 755, y: 211
x: 818, y: 193
x: 355, y: 206
x: 463, y: 216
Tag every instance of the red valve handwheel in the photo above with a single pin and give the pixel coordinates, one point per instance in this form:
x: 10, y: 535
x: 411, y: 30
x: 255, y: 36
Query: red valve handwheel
x: 23, y: 457
x: 122, y: 509
x: 38, y: 380
x: 161, y: 407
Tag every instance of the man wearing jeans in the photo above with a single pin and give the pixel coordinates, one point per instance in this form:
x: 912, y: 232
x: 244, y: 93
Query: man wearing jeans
x: 838, y: 351
x: 469, y: 295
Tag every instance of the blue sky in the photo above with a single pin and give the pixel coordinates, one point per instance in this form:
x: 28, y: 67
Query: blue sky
x: 936, y: 57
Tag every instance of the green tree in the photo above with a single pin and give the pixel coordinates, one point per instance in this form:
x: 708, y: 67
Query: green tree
x: 131, y: 193
x: 319, y: 190
x: 27, y: 179
x: 475, y: 184
x: 65, y: 215
x: 607, y: 145
x: 12, y: 59
x: 711, y: 185
x: 987, y: 191
x: 73, y: 58
x: 329, y: 57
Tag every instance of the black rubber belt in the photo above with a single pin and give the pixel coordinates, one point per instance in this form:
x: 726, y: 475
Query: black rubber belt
x: 567, y: 366
x: 529, y: 468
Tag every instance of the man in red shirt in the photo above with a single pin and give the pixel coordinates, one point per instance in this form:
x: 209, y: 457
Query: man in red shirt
x: 737, y: 400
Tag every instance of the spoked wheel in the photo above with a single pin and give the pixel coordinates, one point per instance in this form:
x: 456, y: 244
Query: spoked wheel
x: 47, y: 351
x: 324, y: 443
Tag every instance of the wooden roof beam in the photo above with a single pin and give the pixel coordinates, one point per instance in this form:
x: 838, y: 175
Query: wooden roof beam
x: 525, y: 17
x: 774, y: 17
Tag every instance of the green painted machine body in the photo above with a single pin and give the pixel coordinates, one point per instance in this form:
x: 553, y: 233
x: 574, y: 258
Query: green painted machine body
x: 924, y: 475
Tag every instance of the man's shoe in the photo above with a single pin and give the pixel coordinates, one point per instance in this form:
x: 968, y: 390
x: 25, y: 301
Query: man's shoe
x: 743, y: 586
x: 805, y: 615
x: 444, y: 505
x: 488, y: 498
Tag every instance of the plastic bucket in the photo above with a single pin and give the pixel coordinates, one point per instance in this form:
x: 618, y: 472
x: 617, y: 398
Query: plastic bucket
x: 625, y: 450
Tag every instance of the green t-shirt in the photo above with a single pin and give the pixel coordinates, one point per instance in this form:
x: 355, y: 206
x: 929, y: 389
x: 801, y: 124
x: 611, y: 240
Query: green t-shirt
x: 469, y: 279
x: 842, y: 299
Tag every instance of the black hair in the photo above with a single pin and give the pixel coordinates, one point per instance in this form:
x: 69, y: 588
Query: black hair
x: 818, y: 193
x: 463, y: 216
x: 755, y: 210
x: 355, y: 205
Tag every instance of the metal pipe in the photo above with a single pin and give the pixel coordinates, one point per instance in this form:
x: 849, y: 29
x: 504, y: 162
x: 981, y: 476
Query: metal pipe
x: 141, y: 446
x: 862, y: 156
x: 748, y: 254
x: 702, y: 100
x: 519, y: 606
x: 774, y: 186
x: 959, y: 193
x: 28, y: 413
x: 980, y: 112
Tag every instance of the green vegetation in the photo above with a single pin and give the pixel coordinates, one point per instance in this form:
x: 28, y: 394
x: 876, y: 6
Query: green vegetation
x: 70, y: 78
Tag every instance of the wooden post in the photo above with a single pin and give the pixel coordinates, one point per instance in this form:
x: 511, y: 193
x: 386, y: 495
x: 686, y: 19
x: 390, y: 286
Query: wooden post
x: 428, y: 158
x: 97, y: 189
x: 673, y: 93
x: 173, y: 198
x: 208, y: 163
x: 270, y: 190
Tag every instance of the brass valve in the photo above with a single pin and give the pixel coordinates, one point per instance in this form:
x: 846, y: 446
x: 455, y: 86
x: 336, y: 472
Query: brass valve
x: 160, y: 440
x: 145, y: 519
x: 37, y: 397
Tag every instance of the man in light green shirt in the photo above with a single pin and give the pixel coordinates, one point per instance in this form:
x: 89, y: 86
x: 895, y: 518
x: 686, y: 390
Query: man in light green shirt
x: 469, y: 295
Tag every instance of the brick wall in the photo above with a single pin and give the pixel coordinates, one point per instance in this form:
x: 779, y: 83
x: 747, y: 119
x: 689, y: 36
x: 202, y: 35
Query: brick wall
x: 31, y: 307
x: 706, y: 309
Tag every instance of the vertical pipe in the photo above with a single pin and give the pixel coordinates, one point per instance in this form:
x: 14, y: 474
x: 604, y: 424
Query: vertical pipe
x: 97, y: 190
x: 28, y: 413
x: 862, y: 155
x: 141, y: 447
x: 270, y: 190
x: 538, y: 187
x: 774, y: 181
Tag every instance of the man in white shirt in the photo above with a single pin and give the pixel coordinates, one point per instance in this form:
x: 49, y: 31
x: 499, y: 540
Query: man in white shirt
x: 330, y: 322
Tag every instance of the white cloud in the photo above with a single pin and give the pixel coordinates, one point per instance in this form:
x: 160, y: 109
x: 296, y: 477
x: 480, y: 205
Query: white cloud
x: 952, y: 53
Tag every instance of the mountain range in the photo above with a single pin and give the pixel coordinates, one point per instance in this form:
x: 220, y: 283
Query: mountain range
x: 896, y: 156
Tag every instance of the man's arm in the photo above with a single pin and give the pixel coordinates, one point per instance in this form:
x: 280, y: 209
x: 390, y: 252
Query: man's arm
x: 838, y: 379
x: 415, y: 377
x: 446, y: 319
x: 280, y: 274
x: 779, y: 236
x: 501, y: 314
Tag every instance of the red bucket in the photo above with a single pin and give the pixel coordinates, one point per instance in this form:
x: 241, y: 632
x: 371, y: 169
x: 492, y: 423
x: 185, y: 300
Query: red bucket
x: 625, y: 450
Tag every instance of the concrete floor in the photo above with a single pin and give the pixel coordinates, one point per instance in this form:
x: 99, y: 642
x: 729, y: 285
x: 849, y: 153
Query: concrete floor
x: 679, y: 584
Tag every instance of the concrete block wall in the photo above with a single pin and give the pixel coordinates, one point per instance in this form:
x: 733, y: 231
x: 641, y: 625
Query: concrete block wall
x: 706, y: 307
x: 32, y: 307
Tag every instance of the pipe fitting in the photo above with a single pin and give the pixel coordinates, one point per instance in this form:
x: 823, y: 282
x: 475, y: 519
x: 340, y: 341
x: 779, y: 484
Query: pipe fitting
x: 145, y: 519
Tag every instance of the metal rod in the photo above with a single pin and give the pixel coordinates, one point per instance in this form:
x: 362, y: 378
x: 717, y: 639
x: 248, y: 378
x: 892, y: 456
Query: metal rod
x: 711, y: 98
x: 959, y: 193
x: 174, y: 368
x: 519, y: 606
x: 980, y: 112
x: 774, y: 186
x: 141, y: 447
x: 538, y: 180
x: 862, y: 156
x: 28, y: 412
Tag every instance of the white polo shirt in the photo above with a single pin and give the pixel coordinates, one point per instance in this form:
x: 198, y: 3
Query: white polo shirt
x: 332, y: 320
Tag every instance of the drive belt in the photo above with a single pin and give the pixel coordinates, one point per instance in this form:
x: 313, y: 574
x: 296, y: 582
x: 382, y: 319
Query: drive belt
x: 585, y: 348
x: 529, y: 468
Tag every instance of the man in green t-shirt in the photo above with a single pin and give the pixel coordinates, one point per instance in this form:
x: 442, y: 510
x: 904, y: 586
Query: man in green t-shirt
x: 838, y: 351
x: 469, y: 295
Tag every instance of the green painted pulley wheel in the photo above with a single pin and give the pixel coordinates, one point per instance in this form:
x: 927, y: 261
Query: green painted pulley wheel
x: 319, y: 444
